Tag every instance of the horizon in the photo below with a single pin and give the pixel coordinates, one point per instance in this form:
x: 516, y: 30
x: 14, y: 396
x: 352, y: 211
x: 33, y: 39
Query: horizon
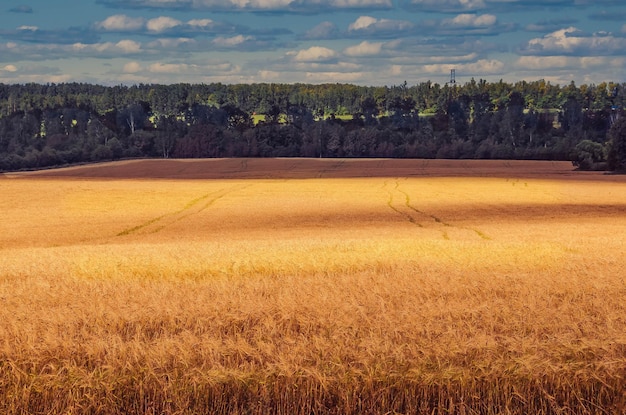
x: 408, y: 84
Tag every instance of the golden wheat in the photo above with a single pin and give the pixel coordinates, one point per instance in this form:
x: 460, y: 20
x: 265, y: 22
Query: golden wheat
x: 313, y: 295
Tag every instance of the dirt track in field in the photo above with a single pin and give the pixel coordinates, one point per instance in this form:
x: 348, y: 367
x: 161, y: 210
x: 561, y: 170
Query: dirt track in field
x: 301, y: 168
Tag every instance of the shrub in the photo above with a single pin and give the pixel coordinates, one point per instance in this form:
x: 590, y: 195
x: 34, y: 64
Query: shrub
x: 588, y: 155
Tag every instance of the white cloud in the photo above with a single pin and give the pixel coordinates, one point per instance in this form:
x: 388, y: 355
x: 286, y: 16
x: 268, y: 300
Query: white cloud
x: 128, y: 46
x: 203, y: 23
x: 324, y: 77
x: 483, y: 66
x: 37, y: 78
x: 362, y: 22
x: 563, y: 40
x: 315, y: 54
x: 471, y: 20
x: 169, y: 43
x: 261, y: 4
x: 124, y: 23
x: 121, y: 22
x: 28, y: 28
x: 181, y: 70
x: 132, y: 67
x: 163, y: 23
x: 540, y: 63
x: 368, y: 23
x: 169, y: 68
x: 296, y: 5
x: 267, y: 75
x: 364, y: 49
x: 360, y: 3
x: 229, y: 42
x: 447, y: 6
x: 480, y: 67
x: 572, y: 41
x: 9, y: 68
x: 123, y: 46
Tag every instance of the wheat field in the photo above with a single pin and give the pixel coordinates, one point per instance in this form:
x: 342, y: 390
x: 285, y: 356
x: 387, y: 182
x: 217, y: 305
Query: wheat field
x: 295, y: 286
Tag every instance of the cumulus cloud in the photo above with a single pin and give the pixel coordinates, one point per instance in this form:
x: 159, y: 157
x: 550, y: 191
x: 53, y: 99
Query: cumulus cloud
x: 132, y: 67
x: 362, y: 22
x: 479, y: 68
x: 467, y: 24
x: 201, y: 23
x: 9, y: 68
x: 347, y: 4
x: 332, y: 76
x: 314, y: 54
x: 464, y: 6
x: 470, y: 20
x: 371, y: 24
x: 123, y: 47
x: 183, y: 69
x: 364, y: 49
x: 229, y: 42
x: 574, y: 42
x: 207, y: 72
x: 168, y: 67
x: 168, y: 26
x: 368, y: 26
x: 173, y: 43
x: 163, y: 23
x: 446, y: 6
x: 543, y: 63
x: 297, y: 6
x: 128, y: 46
x: 121, y: 23
x: 148, y: 4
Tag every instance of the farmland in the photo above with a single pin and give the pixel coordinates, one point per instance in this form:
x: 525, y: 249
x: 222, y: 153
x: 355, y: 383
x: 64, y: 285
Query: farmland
x: 301, y: 286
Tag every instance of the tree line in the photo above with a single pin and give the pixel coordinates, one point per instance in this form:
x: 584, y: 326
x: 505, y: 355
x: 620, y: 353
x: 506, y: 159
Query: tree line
x: 44, y: 125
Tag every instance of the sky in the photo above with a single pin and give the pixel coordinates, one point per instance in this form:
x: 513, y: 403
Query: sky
x: 363, y: 42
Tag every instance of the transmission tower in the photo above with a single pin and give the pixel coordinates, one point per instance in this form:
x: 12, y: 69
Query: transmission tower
x: 452, y: 76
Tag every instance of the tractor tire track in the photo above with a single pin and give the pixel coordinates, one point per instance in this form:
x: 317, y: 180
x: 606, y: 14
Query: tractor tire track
x: 193, y: 207
x: 331, y: 169
x: 437, y: 219
x: 400, y: 209
x: 400, y: 202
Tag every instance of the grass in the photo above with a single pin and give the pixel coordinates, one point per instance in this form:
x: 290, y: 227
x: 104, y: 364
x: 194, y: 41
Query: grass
x: 299, y: 294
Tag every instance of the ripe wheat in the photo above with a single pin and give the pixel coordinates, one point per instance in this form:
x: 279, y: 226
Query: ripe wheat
x: 302, y: 294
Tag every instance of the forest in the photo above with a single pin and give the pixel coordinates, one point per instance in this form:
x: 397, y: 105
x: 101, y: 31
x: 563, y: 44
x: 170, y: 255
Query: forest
x: 44, y: 125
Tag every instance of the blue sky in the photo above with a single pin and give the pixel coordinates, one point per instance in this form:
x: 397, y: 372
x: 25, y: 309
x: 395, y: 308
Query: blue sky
x: 365, y: 42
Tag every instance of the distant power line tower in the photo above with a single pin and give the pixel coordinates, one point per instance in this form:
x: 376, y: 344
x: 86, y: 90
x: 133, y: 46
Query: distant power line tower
x: 452, y: 76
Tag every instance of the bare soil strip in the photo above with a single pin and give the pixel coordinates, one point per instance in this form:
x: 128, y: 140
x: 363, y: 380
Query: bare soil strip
x: 299, y: 168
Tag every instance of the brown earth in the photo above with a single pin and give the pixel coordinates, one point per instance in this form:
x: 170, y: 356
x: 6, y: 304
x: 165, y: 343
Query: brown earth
x: 301, y: 168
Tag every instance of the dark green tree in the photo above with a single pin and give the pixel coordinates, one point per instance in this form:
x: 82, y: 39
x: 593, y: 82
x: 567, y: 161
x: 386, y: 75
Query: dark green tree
x: 617, y: 145
x: 588, y: 155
